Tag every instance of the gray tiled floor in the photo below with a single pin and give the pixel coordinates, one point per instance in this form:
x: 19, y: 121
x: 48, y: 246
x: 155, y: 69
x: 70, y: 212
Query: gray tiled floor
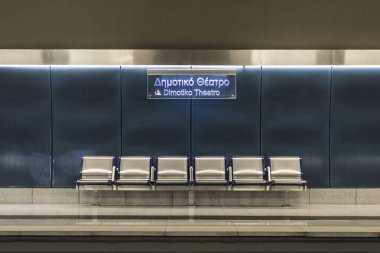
x: 88, y: 227
x: 86, y: 220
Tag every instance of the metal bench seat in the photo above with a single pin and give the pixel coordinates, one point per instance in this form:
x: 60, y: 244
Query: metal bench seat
x: 210, y: 170
x: 134, y: 170
x: 248, y: 170
x: 289, y: 182
x: 172, y: 170
x: 97, y: 170
x: 286, y: 171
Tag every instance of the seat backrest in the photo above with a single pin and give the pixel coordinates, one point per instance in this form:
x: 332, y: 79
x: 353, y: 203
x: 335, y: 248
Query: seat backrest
x: 97, y: 167
x: 174, y: 167
x: 134, y: 168
x: 248, y: 167
x: 285, y: 167
x: 210, y: 167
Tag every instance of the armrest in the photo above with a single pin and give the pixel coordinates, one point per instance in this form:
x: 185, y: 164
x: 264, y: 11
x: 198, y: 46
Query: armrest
x: 191, y: 171
x: 152, y: 173
x: 114, y: 170
x: 230, y: 174
x: 268, y: 173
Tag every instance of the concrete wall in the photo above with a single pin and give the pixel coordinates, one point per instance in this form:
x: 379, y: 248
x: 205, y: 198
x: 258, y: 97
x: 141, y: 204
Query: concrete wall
x: 348, y: 196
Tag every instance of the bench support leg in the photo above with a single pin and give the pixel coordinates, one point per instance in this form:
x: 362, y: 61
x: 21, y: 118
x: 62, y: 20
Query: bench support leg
x: 191, y: 198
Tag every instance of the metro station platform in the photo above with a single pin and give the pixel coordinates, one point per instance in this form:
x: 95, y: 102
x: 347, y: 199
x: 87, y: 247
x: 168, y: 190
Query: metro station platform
x: 85, y: 220
x: 67, y: 220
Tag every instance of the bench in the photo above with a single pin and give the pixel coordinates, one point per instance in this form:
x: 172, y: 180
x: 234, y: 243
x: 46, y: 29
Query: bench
x: 172, y: 170
x: 208, y: 173
x: 134, y: 170
x: 286, y: 171
x: 98, y: 172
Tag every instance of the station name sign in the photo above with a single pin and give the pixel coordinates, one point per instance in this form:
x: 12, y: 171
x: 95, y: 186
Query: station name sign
x: 191, y: 84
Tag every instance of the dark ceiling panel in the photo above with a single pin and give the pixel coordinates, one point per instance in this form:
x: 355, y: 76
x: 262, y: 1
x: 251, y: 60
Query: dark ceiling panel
x: 189, y: 24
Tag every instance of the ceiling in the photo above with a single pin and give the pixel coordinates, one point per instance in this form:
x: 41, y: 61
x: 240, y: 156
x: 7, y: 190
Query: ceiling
x: 189, y: 24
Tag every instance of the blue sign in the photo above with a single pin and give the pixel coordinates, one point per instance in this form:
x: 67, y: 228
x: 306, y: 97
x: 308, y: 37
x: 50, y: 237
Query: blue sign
x: 191, y: 84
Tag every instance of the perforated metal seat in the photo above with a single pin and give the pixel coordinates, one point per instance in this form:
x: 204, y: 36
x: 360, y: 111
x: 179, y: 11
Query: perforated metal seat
x: 134, y: 170
x: 286, y: 171
x: 172, y: 170
x: 248, y: 170
x: 210, y: 170
x: 97, y: 170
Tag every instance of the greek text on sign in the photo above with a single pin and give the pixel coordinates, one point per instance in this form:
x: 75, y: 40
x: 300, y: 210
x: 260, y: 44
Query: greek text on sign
x: 191, y: 84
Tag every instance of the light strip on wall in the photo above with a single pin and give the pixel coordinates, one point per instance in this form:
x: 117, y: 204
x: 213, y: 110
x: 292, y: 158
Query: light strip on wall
x: 187, y: 58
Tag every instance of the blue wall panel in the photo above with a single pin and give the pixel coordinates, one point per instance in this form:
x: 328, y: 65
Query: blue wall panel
x: 104, y: 111
x: 229, y: 127
x: 25, y: 128
x: 152, y: 127
x: 86, y: 118
x: 355, y: 127
x: 295, y: 117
